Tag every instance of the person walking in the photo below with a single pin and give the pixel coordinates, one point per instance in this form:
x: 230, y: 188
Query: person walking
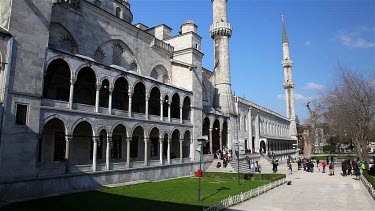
x: 357, y: 172
x: 318, y: 165
x: 343, y: 168
x: 331, y: 173
x: 290, y: 168
x: 324, y: 164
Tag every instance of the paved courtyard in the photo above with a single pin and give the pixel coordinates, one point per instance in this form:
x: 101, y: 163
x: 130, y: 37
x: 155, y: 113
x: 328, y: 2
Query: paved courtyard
x: 313, y: 191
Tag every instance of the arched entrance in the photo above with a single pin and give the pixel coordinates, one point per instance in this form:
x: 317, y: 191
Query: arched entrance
x: 224, y: 135
x: 205, y: 132
x: 186, y: 145
x: 175, y: 144
x: 154, y: 143
x: 137, y: 146
x: 118, y: 151
x: 52, y: 145
x: 80, y: 148
x: 216, y: 136
x: 263, y: 146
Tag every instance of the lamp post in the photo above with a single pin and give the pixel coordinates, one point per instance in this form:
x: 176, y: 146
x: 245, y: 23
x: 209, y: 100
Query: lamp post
x: 238, y: 161
x: 202, y: 140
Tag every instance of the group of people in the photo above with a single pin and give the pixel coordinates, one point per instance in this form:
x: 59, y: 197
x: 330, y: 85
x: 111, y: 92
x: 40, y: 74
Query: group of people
x: 225, y: 155
x: 255, y: 167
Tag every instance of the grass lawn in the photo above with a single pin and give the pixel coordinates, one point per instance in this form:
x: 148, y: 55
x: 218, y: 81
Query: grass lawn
x: 177, y: 194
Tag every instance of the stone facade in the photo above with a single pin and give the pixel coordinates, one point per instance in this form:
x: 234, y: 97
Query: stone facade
x: 86, y: 93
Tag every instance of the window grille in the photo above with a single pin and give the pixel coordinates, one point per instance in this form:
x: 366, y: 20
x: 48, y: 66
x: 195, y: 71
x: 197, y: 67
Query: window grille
x: 118, y: 50
x: 99, y: 55
x: 68, y: 44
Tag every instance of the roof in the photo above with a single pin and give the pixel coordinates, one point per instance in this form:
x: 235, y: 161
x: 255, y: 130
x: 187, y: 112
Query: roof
x: 285, y: 37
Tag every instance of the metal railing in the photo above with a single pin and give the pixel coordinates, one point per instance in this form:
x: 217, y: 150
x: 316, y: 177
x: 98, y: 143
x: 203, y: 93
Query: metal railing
x: 368, y: 185
x: 232, y: 200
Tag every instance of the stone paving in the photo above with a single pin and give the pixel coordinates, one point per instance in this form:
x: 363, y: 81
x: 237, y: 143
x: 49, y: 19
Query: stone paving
x: 312, y: 191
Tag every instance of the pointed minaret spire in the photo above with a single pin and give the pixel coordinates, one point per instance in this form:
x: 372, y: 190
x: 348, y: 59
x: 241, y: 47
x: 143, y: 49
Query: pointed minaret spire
x: 285, y: 37
x: 288, y: 83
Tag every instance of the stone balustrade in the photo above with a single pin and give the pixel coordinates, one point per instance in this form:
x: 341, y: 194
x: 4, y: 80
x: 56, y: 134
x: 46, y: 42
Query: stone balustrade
x: 221, y: 29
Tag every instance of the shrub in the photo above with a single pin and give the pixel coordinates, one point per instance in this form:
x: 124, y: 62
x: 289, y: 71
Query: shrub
x: 369, y: 178
x: 245, y: 176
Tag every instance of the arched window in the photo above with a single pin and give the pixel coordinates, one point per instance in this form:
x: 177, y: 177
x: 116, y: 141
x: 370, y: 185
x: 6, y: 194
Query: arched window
x: 85, y: 87
x: 133, y: 66
x: 118, y: 50
x: 68, y: 44
x: 165, y: 78
x: 99, y: 55
x: 57, y: 81
x: 118, y: 12
x: 154, y: 74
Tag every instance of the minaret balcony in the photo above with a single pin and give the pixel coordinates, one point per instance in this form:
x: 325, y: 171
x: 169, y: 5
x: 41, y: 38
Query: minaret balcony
x: 287, y: 63
x: 221, y: 29
x: 288, y: 85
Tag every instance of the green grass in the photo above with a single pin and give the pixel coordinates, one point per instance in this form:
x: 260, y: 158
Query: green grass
x: 369, y: 178
x: 177, y: 194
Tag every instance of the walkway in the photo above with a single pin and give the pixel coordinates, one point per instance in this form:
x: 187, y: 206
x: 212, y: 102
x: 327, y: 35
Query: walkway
x: 313, y: 191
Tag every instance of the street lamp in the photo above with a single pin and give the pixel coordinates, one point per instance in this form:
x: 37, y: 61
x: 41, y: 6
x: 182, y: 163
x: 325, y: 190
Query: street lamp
x: 238, y: 161
x: 202, y: 140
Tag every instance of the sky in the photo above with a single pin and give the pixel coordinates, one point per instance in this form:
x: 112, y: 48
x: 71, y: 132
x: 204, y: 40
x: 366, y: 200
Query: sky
x: 322, y: 34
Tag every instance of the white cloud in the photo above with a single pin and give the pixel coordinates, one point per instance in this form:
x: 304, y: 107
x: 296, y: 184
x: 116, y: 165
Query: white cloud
x: 355, y: 38
x: 312, y: 86
x: 299, y: 97
x: 308, y: 43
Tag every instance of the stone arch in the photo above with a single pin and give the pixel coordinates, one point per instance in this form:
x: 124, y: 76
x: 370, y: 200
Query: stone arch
x: 205, y: 131
x: 186, y: 108
x: 56, y: 82
x: 126, y: 54
x: 139, y: 97
x: 154, y: 101
x: 56, y: 116
x: 216, y: 135
x: 154, y: 136
x: 117, y: 124
x: 119, y: 136
x: 83, y: 120
x: 52, y: 142
x: 120, y: 94
x: 224, y: 134
x: 160, y: 73
x: 175, y: 105
x: 62, y: 39
x: 104, y: 92
x: 166, y: 101
x: 83, y: 135
x: 175, y: 143
x: 50, y: 60
x: 103, y: 128
x: 137, y: 146
x: 85, y: 86
x: 186, y: 144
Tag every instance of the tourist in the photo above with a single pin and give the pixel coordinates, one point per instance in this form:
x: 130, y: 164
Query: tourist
x: 331, y: 171
x: 343, y: 168
x: 327, y: 160
x: 318, y: 164
x: 324, y: 164
x: 357, y: 172
x: 290, y: 168
x: 252, y: 167
x: 366, y: 165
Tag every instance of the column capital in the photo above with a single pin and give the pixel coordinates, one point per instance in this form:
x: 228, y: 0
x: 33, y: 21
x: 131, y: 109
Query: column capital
x: 73, y: 81
x: 69, y: 138
x: 181, y: 141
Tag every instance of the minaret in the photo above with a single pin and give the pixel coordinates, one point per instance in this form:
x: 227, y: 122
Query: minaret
x: 288, y: 83
x: 220, y: 31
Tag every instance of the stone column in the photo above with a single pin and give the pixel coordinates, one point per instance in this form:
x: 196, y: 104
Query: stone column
x: 191, y: 150
x: 257, y: 130
x: 108, y: 152
x: 181, y: 154
x: 181, y: 114
x: 221, y: 139
x: 97, y: 99
x: 161, y: 109
x: 210, y: 138
x: 130, y: 104
x: 169, y: 111
x: 110, y: 101
x: 169, y: 152
x: 161, y: 150
x: 146, y: 106
x: 146, y: 152
x: 94, y: 152
x: 128, y: 141
x: 250, y: 125
x: 71, y: 93
x: 68, y: 139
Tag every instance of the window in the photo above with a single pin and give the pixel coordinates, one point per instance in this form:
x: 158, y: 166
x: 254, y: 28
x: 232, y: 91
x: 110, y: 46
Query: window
x: 118, y: 50
x: 21, y: 114
x: 118, y: 12
x: 68, y: 44
x: 99, y: 55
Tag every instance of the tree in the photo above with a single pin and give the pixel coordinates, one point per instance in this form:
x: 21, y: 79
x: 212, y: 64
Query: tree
x: 351, y: 109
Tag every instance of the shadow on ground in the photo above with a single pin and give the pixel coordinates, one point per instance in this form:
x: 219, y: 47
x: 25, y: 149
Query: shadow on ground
x: 97, y: 200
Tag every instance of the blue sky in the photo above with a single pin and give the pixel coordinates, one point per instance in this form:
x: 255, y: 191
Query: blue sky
x: 322, y: 34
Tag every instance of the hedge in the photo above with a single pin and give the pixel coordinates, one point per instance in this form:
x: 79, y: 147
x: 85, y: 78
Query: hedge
x: 245, y: 176
x: 370, y: 178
